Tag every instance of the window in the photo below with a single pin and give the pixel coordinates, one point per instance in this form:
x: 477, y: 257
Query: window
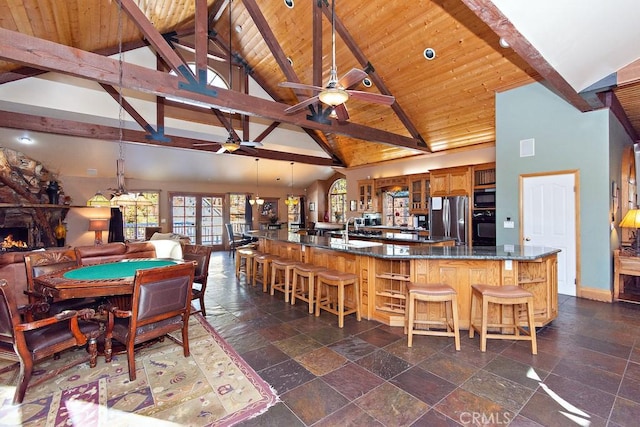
x: 136, y: 218
x: 396, y: 208
x: 338, y: 200
x: 198, y: 216
x: 238, y: 212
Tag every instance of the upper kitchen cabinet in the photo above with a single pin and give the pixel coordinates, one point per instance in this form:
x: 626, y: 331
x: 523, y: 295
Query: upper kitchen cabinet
x: 366, y: 196
x: 451, y: 181
x: 419, y: 193
x: 484, y: 176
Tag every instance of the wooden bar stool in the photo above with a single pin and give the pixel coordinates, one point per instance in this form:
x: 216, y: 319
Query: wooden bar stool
x: 281, y: 275
x: 503, y: 295
x: 339, y: 280
x: 244, y: 256
x: 304, y: 278
x: 432, y: 293
x: 261, y: 268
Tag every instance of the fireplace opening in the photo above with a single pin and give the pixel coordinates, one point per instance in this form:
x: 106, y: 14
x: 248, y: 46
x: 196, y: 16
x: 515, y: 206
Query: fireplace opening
x: 14, y: 238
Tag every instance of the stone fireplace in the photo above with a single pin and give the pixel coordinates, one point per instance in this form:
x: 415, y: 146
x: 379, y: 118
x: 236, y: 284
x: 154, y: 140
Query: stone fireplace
x: 25, y: 211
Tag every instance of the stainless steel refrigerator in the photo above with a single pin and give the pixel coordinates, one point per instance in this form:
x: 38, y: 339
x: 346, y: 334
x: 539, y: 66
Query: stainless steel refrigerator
x: 448, y: 217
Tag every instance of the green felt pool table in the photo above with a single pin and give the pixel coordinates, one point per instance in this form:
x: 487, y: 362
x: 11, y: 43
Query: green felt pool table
x: 100, y: 280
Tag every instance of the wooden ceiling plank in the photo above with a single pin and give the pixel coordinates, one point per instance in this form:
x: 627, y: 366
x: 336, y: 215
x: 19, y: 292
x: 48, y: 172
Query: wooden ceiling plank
x: 375, y: 78
x: 629, y: 74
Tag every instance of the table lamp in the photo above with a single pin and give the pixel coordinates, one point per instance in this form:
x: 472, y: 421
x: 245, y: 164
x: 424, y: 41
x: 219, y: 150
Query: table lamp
x: 632, y: 220
x: 98, y: 225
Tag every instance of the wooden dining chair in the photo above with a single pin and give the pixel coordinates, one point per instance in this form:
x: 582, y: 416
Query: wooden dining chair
x: 233, y: 241
x: 160, y: 304
x: 50, y: 261
x: 31, y: 342
x: 201, y: 255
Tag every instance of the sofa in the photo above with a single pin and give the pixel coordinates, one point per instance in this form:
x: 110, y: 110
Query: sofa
x: 12, y: 266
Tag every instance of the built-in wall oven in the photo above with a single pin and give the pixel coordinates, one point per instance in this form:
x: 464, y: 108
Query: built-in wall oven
x: 483, y: 223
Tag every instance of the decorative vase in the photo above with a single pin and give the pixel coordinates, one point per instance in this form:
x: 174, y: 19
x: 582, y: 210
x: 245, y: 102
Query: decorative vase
x: 53, y: 191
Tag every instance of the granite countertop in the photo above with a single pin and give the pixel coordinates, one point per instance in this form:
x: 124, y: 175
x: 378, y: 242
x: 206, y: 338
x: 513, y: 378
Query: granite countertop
x: 397, y: 237
x: 399, y: 251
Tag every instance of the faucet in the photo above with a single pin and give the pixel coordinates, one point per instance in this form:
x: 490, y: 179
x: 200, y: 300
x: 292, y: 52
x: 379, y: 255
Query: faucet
x: 346, y: 228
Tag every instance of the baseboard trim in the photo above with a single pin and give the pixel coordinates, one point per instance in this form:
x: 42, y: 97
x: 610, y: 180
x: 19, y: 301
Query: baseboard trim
x: 602, y: 295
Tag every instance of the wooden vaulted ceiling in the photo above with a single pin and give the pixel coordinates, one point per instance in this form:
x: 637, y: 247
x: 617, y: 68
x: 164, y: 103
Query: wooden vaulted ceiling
x: 442, y: 104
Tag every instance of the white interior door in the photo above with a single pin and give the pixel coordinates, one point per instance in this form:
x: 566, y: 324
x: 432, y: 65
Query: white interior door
x: 548, y: 219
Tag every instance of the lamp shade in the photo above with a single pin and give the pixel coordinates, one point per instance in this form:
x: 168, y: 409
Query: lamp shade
x: 631, y: 219
x: 98, y: 200
x: 98, y: 224
x: 333, y: 96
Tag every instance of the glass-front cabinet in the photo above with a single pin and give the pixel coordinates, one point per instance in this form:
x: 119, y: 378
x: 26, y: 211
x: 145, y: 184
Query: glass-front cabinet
x: 366, y: 195
x: 419, y: 192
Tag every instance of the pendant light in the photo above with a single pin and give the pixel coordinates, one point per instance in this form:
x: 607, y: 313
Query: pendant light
x: 257, y: 200
x: 121, y: 196
x: 291, y: 199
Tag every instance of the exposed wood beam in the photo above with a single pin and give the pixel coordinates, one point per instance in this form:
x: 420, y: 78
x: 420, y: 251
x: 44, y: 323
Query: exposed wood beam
x: 137, y: 117
x: 202, y: 36
x: 156, y: 40
x: 375, y: 78
x: 498, y: 22
x: 12, y: 120
x: 31, y: 51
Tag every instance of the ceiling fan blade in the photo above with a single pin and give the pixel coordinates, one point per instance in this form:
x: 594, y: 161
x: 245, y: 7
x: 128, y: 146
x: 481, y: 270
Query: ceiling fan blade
x: 301, y: 105
x: 221, y: 150
x: 251, y: 144
x: 376, y: 98
x: 353, y: 77
x: 341, y: 112
x: 293, y: 85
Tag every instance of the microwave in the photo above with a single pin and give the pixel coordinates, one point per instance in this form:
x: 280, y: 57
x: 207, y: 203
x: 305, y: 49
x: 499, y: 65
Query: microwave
x: 484, y: 198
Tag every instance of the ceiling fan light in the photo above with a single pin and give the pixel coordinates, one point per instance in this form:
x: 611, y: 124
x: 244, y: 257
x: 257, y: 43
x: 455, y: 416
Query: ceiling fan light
x: 333, y: 96
x: 230, y: 146
x: 260, y: 202
x: 98, y: 200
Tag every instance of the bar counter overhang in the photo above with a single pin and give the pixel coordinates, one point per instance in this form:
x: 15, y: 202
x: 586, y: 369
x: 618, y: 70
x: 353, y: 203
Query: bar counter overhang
x: 384, y: 270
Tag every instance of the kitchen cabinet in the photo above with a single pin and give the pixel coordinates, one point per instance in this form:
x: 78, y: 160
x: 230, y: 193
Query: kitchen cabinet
x: 419, y: 192
x: 366, y: 196
x: 451, y: 182
x: 484, y: 176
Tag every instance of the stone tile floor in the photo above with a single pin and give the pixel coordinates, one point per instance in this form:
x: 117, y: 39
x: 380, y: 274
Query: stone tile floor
x: 587, y: 371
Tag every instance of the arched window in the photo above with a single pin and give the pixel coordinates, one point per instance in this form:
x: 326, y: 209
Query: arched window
x: 338, y: 200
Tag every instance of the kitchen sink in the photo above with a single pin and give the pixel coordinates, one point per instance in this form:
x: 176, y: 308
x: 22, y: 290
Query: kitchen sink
x: 361, y: 243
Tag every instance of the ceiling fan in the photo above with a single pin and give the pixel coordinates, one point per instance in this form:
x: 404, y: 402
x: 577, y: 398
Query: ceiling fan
x: 337, y: 92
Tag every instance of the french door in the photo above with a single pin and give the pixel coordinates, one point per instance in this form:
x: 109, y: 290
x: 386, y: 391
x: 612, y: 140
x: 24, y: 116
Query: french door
x: 201, y: 217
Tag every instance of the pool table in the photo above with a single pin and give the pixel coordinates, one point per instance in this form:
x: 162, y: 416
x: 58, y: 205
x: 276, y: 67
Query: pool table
x: 99, y: 280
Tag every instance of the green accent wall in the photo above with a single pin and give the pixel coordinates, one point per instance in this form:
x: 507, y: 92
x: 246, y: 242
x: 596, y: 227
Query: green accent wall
x: 565, y: 140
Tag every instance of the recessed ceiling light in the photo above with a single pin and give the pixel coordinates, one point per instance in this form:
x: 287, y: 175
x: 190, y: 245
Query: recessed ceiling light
x: 290, y: 60
x: 238, y: 28
x: 429, y: 53
x: 25, y: 140
x: 367, y: 82
x: 289, y: 3
x: 503, y: 43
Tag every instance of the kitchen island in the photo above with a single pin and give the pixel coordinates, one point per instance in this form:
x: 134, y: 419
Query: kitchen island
x: 385, y: 269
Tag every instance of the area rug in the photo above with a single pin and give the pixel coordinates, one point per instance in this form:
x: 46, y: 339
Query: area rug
x: 214, y: 386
